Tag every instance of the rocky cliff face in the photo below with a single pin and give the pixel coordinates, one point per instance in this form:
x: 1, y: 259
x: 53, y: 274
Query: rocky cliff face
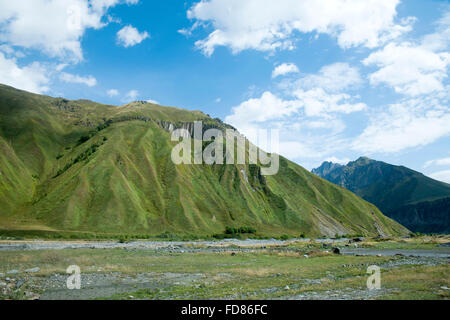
x: 326, y: 168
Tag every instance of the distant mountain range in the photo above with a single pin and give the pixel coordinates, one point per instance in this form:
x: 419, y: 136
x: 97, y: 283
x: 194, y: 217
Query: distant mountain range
x: 416, y: 201
x: 83, y: 166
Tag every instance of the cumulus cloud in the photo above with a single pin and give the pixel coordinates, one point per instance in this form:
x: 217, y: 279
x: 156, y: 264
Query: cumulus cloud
x: 131, y: 96
x: 52, y: 26
x: 298, y: 150
x: 414, y: 68
x: 419, y: 71
x: 284, y: 69
x: 322, y: 93
x: 317, y: 102
x: 411, y: 123
x: 268, y: 25
x: 441, y: 176
x: 334, y: 77
x: 307, y: 111
x: 129, y: 36
x: 30, y: 78
x: 437, y: 162
x: 90, y: 81
x: 267, y: 107
x: 112, y: 92
x: 343, y: 161
x: 409, y: 69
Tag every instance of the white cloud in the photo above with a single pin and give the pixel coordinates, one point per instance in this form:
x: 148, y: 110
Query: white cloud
x: 343, y: 161
x: 267, y: 25
x: 152, y: 101
x: 441, y: 38
x: 131, y: 96
x: 414, y: 68
x: 334, y: 77
x: 441, y: 176
x: 52, y: 26
x: 409, y: 69
x: 90, y: 81
x: 419, y: 71
x: 284, y: 69
x: 309, y: 116
x: 411, y: 123
x: 320, y: 94
x: 129, y: 36
x: 317, y: 102
x: 30, y: 78
x: 437, y: 162
x: 298, y: 150
x: 7, y: 49
x: 10, y: 52
x: 61, y: 66
x: 112, y: 92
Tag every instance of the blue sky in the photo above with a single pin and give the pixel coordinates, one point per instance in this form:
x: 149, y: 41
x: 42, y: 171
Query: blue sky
x: 339, y: 79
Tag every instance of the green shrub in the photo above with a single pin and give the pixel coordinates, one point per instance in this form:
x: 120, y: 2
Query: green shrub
x: 241, y: 230
x: 83, y: 139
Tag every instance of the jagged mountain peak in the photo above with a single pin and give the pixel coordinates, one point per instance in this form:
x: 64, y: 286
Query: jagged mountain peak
x: 408, y: 196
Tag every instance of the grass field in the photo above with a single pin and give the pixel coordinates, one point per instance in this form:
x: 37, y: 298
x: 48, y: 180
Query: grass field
x: 291, y: 270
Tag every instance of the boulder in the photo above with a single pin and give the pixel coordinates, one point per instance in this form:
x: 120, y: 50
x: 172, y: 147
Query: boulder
x: 354, y: 240
x: 13, y: 272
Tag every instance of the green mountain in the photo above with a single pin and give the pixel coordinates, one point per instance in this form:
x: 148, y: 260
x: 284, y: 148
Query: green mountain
x: 416, y: 201
x: 88, y: 167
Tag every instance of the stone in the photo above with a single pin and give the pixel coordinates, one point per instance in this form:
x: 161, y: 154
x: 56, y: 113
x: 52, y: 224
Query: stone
x: 287, y: 288
x: 336, y: 251
x: 19, y: 283
x: 33, y: 270
x: 13, y: 272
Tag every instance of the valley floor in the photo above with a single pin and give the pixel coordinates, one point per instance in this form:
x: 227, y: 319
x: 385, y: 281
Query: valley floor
x: 416, y: 268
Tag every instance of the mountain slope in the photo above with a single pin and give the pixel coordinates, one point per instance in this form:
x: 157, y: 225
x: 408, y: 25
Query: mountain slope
x: 84, y: 166
x: 414, y: 200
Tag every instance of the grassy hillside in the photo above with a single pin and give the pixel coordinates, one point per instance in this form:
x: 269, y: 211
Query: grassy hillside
x: 408, y: 196
x: 87, y: 167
